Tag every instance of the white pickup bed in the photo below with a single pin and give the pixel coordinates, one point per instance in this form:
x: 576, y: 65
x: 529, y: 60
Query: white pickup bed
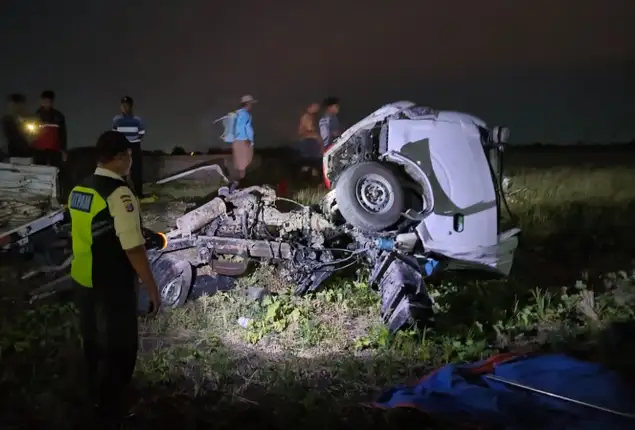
x: 28, y: 201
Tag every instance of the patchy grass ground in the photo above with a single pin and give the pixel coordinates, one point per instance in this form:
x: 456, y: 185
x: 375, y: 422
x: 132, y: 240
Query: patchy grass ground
x: 315, y: 361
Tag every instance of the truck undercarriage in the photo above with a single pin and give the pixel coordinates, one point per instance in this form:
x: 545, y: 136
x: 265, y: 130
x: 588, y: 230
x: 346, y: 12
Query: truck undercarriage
x: 304, y: 244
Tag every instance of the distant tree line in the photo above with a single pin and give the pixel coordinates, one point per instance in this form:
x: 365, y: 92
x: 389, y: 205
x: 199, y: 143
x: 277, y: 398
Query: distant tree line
x: 582, y: 143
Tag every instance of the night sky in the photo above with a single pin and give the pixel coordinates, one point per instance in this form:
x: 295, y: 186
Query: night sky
x: 554, y: 71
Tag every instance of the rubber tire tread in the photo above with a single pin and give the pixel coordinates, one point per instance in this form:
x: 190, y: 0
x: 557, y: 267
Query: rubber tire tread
x: 168, y: 267
x: 350, y: 208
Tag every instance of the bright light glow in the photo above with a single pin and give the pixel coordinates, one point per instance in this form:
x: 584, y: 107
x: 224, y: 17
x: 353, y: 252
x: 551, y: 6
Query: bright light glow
x: 165, y: 240
x: 30, y: 127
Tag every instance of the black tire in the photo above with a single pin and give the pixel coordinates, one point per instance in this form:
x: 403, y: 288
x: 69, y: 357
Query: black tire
x: 354, y: 212
x: 173, y: 276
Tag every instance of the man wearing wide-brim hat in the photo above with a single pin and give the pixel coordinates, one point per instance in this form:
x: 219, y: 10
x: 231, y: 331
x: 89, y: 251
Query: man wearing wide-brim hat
x: 243, y: 143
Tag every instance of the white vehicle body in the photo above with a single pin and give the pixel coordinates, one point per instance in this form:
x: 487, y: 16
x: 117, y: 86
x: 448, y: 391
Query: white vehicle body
x: 445, y: 152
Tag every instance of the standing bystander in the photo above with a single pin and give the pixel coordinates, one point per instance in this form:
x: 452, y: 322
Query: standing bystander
x: 133, y: 128
x: 329, y: 123
x: 16, y: 142
x: 243, y: 141
x: 50, y: 141
x: 311, y: 146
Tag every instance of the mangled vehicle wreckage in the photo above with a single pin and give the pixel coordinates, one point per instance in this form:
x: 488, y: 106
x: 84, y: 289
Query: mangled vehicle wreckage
x: 412, y: 191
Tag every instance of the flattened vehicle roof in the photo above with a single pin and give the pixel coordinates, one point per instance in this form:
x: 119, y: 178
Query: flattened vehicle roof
x: 381, y: 113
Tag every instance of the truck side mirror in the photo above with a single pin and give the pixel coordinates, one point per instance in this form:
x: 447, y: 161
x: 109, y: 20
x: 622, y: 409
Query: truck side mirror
x: 500, y: 135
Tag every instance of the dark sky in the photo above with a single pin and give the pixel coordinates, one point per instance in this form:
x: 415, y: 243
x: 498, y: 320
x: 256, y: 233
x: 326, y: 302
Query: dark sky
x: 551, y: 70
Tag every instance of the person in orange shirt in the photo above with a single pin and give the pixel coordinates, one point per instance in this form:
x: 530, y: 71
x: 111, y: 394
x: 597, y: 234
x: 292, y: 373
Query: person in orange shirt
x: 310, y: 145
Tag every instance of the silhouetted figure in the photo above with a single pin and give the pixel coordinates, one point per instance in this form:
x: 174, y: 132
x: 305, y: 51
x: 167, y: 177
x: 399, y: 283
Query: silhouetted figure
x: 15, y: 140
x: 329, y: 123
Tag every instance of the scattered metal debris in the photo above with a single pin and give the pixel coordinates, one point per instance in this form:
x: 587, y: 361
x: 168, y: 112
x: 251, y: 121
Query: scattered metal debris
x: 209, y: 167
x: 305, y: 245
x: 392, y: 209
x: 28, y: 203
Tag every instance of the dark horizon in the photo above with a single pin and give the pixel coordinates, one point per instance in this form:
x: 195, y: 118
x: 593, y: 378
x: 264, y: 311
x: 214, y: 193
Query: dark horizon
x: 552, y: 72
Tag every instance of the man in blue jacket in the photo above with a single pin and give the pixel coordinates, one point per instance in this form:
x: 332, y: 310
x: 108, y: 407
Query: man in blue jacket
x: 243, y: 140
x: 132, y: 127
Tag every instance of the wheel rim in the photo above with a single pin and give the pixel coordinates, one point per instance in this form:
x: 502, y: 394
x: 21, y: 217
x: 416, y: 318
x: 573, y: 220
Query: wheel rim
x: 374, y: 193
x: 171, y: 291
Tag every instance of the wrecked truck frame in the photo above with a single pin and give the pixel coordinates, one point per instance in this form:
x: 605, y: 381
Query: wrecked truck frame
x: 304, y: 244
x: 247, y: 224
x: 413, y: 191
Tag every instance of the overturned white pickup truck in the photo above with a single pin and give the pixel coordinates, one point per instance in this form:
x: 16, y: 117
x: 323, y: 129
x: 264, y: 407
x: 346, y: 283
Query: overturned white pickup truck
x: 442, y: 169
x: 414, y: 191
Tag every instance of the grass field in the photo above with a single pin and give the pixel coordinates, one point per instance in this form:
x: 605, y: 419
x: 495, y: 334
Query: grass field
x: 316, y: 361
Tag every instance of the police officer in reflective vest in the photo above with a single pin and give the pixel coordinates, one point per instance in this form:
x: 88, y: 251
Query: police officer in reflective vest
x: 108, y: 253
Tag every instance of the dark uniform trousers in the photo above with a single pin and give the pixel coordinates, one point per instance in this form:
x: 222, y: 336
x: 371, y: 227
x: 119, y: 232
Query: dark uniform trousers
x: 136, y: 171
x: 108, y: 309
x: 108, y: 326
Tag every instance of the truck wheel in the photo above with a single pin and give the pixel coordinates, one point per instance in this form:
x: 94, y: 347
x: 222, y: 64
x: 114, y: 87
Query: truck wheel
x: 369, y: 196
x: 173, y: 276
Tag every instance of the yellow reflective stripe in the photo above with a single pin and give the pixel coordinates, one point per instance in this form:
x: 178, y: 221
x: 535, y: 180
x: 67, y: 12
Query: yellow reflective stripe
x: 81, y: 232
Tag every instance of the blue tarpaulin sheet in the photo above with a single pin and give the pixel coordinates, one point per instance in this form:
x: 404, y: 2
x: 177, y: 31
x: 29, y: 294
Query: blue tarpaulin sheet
x: 464, y: 395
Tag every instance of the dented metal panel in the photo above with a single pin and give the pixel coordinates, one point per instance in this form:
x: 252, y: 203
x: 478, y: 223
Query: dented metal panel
x: 27, y: 193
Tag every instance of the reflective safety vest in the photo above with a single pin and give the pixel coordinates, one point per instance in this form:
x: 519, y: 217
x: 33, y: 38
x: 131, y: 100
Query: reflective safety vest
x: 98, y: 259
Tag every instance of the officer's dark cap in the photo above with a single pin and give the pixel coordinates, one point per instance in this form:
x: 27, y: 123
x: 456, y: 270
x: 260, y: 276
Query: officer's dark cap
x: 110, y: 144
x: 17, y: 98
x: 48, y: 95
x: 127, y: 100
